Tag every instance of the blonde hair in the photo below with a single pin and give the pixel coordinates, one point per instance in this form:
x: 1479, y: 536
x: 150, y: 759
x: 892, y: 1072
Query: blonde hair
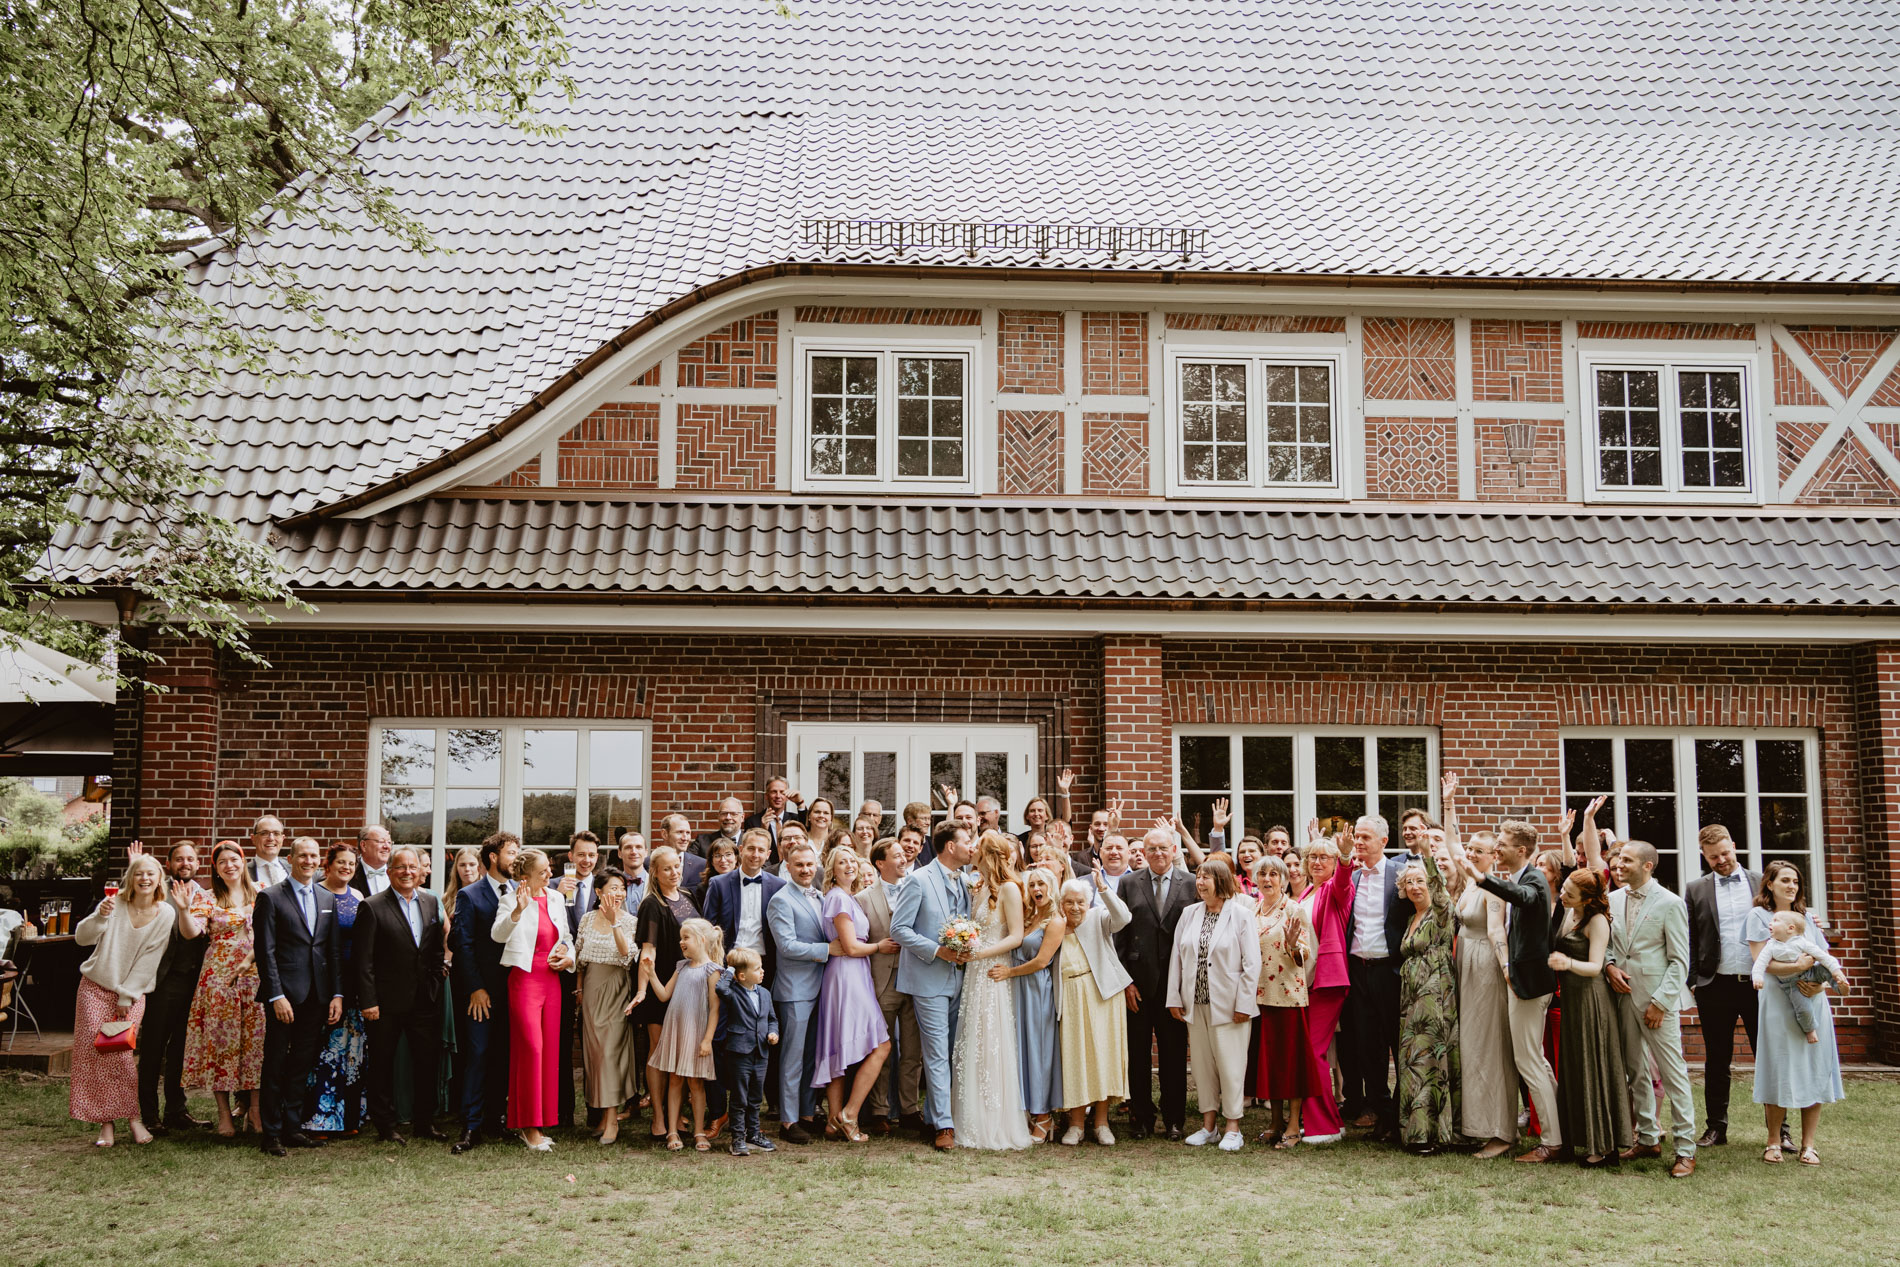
x: 663, y: 854
x: 131, y: 865
x: 831, y: 867
x: 1036, y: 913
x: 453, y: 885
x: 707, y: 934
x: 996, y: 862
x: 525, y: 864
x: 739, y: 959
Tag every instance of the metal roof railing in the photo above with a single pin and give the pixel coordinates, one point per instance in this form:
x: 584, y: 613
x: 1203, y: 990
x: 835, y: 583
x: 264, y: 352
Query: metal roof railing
x: 971, y: 236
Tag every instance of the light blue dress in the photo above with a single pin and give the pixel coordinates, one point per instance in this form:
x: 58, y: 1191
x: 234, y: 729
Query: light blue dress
x: 1789, y: 1070
x: 1038, y: 1053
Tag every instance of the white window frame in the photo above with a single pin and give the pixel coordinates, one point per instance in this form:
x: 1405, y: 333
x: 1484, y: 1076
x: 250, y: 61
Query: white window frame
x: 1749, y: 851
x: 513, y: 782
x: 1305, y: 796
x: 887, y: 351
x: 1256, y: 357
x: 1756, y: 438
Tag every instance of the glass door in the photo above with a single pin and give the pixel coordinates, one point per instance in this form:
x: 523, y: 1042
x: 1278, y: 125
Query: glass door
x: 895, y: 765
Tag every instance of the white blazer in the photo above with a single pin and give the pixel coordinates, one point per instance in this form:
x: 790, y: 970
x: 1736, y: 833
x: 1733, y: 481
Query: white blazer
x: 1095, y: 941
x: 518, y: 938
x: 1233, y: 962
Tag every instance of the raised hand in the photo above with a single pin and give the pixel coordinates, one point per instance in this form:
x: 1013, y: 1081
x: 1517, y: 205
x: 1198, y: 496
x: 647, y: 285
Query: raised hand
x: 1448, y: 785
x: 135, y: 849
x: 1065, y: 780
x: 1221, y: 814
x: 1312, y: 829
x: 1569, y: 820
x: 1114, y: 811
x: 521, y: 900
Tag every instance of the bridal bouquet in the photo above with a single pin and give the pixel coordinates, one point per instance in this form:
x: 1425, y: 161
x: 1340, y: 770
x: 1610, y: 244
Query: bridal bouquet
x: 960, y: 935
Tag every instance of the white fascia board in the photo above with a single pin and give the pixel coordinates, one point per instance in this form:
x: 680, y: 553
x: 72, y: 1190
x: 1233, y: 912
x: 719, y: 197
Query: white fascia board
x: 822, y: 617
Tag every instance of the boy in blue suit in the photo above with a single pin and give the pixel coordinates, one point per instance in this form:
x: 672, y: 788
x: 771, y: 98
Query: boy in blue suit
x: 748, y: 1030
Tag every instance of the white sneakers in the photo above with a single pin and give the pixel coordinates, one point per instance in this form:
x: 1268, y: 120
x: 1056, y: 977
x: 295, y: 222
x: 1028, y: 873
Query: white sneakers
x: 1231, y: 1142
x: 1072, y: 1136
x: 1104, y: 1136
x: 1198, y: 1138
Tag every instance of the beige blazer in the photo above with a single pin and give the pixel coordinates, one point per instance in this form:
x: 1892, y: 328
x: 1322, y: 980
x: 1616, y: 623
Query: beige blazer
x: 877, y: 912
x: 518, y: 938
x: 1233, y: 962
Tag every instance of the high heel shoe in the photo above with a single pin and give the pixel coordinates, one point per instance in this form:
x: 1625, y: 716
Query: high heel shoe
x: 1040, y: 1129
x: 849, y: 1125
x: 833, y: 1131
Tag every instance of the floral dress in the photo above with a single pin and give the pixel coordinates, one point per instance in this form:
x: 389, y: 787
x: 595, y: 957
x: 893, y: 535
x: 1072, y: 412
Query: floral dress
x: 336, y: 1084
x: 1428, y: 1023
x: 224, y: 1040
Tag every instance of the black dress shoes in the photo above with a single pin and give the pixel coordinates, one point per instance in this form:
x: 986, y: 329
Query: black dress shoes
x: 794, y: 1134
x: 1712, y: 1137
x: 297, y: 1139
x: 272, y: 1147
x: 421, y: 1130
x: 1174, y: 1134
x: 466, y: 1143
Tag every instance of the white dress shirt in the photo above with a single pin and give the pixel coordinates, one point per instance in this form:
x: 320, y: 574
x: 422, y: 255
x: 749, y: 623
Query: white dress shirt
x: 411, y: 907
x: 750, y: 931
x: 1732, y: 900
x: 1368, y: 913
x: 376, y: 879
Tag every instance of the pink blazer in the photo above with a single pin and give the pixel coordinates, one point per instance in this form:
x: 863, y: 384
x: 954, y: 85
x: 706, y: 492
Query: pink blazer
x: 1332, y: 908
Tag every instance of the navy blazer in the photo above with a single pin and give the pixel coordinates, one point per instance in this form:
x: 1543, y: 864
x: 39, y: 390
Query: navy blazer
x: 477, y: 955
x: 292, y: 961
x: 746, y: 1017
x: 722, y: 910
x: 1398, y: 914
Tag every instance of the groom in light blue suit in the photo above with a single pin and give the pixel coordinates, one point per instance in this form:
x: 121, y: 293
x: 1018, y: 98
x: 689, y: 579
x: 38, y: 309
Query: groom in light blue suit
x: 795, y: 916
x: 933, y: 976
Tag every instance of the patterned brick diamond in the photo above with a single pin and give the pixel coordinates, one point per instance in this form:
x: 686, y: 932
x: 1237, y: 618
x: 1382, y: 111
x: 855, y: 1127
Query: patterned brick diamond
x: 1411, y: 459
x: 1115, y: 455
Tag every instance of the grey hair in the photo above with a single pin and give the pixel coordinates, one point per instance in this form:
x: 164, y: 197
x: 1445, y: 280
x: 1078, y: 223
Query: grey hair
x: 364, y: 833
x: 408, y: 849
x: 1270, y: 863
x: 1377, y: 824
x: 988, y: 801
x: 1076, y: 888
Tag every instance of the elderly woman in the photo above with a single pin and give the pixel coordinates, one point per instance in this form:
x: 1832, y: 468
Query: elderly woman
x: 1090, y: 1008
x: 1428, y: 1013
x: 1213, y: 978
x: 128, y: 935
x: 1327, y: 902
x: 1792, y: 1069
x: 1285, y: 1049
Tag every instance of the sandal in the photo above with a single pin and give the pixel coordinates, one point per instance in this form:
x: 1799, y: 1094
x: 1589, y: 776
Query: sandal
x: 701, y: 1142
x: 1772, y: 1154
x: 1810, y: 1158
x: 1269, y: 1138
x: 1041, y: 1128
x: 1287, y: 1143
x: 851, y: 1132
x: 673, y: 1144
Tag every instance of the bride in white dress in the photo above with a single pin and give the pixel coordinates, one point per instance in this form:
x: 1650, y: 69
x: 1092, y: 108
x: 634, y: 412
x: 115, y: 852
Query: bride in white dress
x: 986, y: 1097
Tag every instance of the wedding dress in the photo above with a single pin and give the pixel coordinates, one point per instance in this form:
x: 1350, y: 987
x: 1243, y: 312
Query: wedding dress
x: 986, y: 1099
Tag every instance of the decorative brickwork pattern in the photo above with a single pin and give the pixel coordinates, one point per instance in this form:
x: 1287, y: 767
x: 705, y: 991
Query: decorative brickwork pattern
x: 1888, y: 433
x: 1255, y: 323
x: 1029, y: 352
x: 1542, y: 478
x: 729, y: 447
x: 1137, y: 738
x: 616, y: 446
x: 650, y: 377
x: 1412, y: 459
x: 1029, y: 452
x: 527, y: 475
x: 1663, y: 330
x: 1410, y: 358
x: 1887, y: 395
x: 1843, y: 353
x: 1877, y: 714
x: 1791, y: 385
x: 1792, y: 442
x: 1115, y: 455
x: 1115, y: 353
x: 1517, y: 360
x: 743, y: 354
x: 892, y: 316
x: 1849, y: 476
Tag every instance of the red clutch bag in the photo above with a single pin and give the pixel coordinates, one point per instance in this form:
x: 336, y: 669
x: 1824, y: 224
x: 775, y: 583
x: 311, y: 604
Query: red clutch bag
x: 116, y: 1036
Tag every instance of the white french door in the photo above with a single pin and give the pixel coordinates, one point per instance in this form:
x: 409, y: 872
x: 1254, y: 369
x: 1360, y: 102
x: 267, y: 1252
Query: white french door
x: 895, y: 765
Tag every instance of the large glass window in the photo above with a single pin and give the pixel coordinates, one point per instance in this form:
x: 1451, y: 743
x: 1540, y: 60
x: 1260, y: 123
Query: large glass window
x: 1665, y: 787
x: 443, y: 785
x: 1261, y: 423
x: 1286, y: 777
x: 1670, y: 429
x: 883, y: 417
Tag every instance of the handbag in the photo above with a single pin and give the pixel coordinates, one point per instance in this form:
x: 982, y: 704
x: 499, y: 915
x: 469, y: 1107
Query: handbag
x: 115, y: 1036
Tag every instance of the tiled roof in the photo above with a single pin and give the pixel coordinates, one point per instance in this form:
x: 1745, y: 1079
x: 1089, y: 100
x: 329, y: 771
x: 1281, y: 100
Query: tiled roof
x: 1751, y: 141
x: 736, y: 549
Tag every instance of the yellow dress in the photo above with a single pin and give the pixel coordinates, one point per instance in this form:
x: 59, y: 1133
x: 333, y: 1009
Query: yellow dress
x: 1094, y: 1034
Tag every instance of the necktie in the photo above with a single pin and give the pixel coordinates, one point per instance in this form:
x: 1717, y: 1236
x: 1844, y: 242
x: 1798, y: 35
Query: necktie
x: 309, y: 908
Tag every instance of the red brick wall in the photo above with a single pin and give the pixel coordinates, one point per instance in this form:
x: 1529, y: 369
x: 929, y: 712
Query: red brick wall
x: 893, y: 316
x: 728, y: 447
x: 1791, y: 385
x: 1029, y: 452
x: 650, y: 377
x: 1137, y: 735
x: 1261, y: 323
x: 1543, y: 477
x: 1517, y: 360
x: 1843, y: 353
x: 1115, y: 353
x: 1877, y: 706
x: 1849, y: 476
x: 743, y: 354
x: 1793, y: 440
x: 616, y: 446
x: 1412, y: 459
x: 1029, y: 352
x: 179, y: 758
x: 1115, y: 455
x: 1410, y: 358
x: 1663, y: 330
x: 527, y: 475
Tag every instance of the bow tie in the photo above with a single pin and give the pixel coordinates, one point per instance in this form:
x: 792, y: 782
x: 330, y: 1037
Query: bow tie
x: 750, y: 879
x: 375, y: 870
x: 1734, y: 877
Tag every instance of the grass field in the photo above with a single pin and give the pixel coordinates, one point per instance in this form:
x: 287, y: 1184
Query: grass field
x: 204, y: 1201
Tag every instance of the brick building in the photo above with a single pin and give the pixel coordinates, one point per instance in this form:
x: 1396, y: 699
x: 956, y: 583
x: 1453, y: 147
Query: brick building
x: 1215, y: 400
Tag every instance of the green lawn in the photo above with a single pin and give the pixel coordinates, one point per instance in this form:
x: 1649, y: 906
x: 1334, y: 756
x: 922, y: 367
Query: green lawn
x: 889, y: 1202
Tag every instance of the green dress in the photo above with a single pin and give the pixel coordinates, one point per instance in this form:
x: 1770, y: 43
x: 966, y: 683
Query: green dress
x: 1428, y: 1023
x: 1593, y: 1103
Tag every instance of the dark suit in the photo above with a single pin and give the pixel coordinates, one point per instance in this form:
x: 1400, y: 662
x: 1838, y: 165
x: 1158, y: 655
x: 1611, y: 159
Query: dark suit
x: 1529, y: 897
x: 1720, y: 1000
x: 304, y: 968
x: 758, y: 820
x: 581, y: 905
x: 402, y: 979
x: 1369, y: 1022
x: 167, y: 1016
x: 692, y: 871
x: 703, y: 843
x: 250, y: 865
x: 1145, y: 945
x: 722, y: 908
x: 359, y: 879
x: 483, y: 1045
x: 1083, y: 862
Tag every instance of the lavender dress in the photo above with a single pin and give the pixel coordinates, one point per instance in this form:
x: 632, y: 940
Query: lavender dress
x: 850, y: 1022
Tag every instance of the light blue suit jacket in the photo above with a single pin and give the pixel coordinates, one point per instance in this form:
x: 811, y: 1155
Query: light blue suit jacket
x: 924, y: 905
x: 803, y: 945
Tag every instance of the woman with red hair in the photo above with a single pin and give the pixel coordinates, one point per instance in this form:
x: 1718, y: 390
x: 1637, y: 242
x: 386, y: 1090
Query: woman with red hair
x: 1593, y: 1102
